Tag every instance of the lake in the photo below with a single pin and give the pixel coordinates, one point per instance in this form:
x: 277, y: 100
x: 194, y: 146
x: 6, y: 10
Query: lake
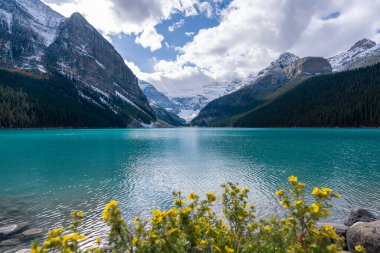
x: 44, y: 174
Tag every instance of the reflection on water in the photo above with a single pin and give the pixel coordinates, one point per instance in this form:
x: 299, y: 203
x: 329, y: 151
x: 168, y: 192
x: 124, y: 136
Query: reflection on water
x: 44, y: 174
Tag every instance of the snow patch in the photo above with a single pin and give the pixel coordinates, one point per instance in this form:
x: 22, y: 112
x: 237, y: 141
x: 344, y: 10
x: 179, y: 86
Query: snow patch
x: 99, y: 91
x: 127, y: 100
x: 7, y: 17
x: 100, y: 65
x: 44, y: 20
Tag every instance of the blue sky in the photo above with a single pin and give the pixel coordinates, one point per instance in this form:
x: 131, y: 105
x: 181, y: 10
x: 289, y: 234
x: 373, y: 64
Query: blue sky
x: 219, y: 40
x: 144, y: 58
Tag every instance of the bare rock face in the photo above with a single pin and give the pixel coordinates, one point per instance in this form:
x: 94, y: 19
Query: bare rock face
x: 366, y: 234
x: 308, y: 66
x: 359, y: 215
x: 81, y: 52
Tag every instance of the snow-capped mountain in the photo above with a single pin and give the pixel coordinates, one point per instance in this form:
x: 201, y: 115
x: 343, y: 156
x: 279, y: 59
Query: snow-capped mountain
x: 35, y: 38
x: 286, y: 68
x: 192, y: 102
x: 27, y: 27
x: 284, y: 60
x: 363, y: 53
x: 158, y: 97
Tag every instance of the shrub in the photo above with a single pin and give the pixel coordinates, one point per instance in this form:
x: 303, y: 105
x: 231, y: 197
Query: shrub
x: 193, y: 225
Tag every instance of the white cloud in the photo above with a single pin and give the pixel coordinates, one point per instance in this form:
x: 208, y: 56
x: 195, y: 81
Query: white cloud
x: 206, y: 8
x: 176, y: 25
x: 135, y: 69
x: 127, y: 16
x: 149, y: 38
x: 189, y: 34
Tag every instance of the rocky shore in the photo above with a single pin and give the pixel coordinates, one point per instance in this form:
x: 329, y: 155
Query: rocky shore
x: 361, y: 227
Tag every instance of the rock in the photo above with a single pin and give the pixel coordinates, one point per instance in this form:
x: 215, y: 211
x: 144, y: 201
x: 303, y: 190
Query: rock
x: 33, y: 232
x: 10, y: 242
x: 366, y: 234
x: 339, y: 229
x: 360, y: 214
x: 12, y: 229
x: 23, y: 251
x: 308, y: 66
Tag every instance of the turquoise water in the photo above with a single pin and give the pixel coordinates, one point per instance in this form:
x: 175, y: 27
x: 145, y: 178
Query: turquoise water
x: 44, y: 174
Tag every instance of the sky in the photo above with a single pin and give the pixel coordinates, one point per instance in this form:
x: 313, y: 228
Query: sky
x: 181, y: 45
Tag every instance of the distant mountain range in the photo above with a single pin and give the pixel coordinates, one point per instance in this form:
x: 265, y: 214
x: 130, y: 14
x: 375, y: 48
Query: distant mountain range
x: 363, y: 53
x: 283, y: 76
x: 77, y: 66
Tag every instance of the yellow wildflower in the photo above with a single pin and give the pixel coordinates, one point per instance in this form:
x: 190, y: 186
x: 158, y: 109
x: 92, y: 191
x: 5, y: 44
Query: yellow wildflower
x: 186, y: 210
x: 315, y: 191
x: 293, y: 179
x: 77, y: 214
x: 193, y: 196
x: 179, y: 202
x: 157, y: 213
x: 280, y: 193
x: 228, y: 249
x: 315, y: 207
x: 330, y: 231
x: 173, y: 230
x: 98, y: 240
x: 203, y: 243
x: 359, y: 248
x: 135, y: 240
x: 298, y: 203
x: 267, y: 228
x: 136, y: 220
x: 211, y: 196
x: 327, y: 190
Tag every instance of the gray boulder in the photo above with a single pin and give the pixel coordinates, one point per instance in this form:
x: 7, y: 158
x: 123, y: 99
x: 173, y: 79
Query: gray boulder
x: 10, y: 242
x: 366, y: 234
x: 12, y: 229
x: 360, y: 214
x: 33, y: 232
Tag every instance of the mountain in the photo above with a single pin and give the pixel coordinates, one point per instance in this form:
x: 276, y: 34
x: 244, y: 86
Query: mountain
x: 346, y: 99
x: 165, y: 109
x: 36, y: 39
x: 28, y: 101
x: 266, y: 82
x: 158, y: 97
x: 192, y: 102
x: 363, y: 53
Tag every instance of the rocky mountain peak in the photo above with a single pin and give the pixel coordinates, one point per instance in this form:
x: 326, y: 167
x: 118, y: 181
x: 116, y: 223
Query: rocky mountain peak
x: 364, y: 44
x: 363, y: 53
x: 308, y: 66
x: 281, y: 62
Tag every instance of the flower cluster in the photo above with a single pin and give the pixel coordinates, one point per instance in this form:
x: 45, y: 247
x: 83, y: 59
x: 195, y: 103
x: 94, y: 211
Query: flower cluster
x: 192, y: 225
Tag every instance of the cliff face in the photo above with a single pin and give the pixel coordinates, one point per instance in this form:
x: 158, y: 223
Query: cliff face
x: 308, y: 66
x: 79, y: 51
x: 27, y: 27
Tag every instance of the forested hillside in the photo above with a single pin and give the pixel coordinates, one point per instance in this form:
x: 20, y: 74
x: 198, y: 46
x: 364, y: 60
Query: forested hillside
x: 54, y: 101
x: 347, y: 99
